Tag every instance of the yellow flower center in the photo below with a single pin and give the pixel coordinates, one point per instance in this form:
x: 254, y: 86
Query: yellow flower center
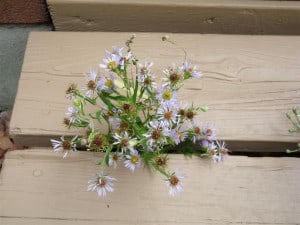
x: 112, y: 65
x: 180, y: 135
x: 109, y: 83
x: 134, y: 159
x: 167, y: 95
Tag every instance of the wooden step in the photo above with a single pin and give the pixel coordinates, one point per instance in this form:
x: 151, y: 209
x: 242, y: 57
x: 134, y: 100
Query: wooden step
x: 39, y: 187
x: 177, y: 16
x: 249, y: 82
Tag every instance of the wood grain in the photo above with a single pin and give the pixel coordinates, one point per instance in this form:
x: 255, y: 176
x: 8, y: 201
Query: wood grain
x: 249, y: 82
x: 192, y: 16
x: 39, y: 187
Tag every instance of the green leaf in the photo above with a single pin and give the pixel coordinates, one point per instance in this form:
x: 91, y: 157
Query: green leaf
x: 204, y: 108
x: 107, y: 102
x: 119, y: 98
x: 135, y: 90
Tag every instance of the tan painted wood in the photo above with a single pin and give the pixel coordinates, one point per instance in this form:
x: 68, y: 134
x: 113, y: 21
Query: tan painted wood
x: 39, y: 187
x: 249, y: 81
x: 192, y: 16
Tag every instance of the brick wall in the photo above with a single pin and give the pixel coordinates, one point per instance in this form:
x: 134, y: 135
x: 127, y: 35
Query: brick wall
x: 23, y: 11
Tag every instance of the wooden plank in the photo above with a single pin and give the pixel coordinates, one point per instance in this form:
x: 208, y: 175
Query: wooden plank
x: 249, y: 82
x: 192, y: 16
x: 39, y: 187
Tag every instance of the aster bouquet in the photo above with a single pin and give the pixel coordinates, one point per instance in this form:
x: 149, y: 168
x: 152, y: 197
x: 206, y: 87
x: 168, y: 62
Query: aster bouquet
x: 144, y: 121
x: 294, y: 118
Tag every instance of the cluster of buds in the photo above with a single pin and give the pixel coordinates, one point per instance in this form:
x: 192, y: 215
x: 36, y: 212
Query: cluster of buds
x: 144, y: 120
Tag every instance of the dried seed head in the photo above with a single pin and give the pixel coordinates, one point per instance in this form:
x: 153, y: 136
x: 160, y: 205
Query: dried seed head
x: 190, y: 114
x: 91, y: 85
x: 66, y: 144
x: 102, y: 182
x: 174, y: 180
x: 161, y: 160
x: 71, y: 89
x: 156, y: 134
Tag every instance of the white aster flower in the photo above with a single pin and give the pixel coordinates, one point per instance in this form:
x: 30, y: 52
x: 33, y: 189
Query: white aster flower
x: 133, y: 160
x: 106, y: 84
x: 73, y: 114
x: 190, y: 70
x: 174, y: 77
x: 116, y: 51
x: 175, y: 184
x: 124, y: 141
x: 64, y: 145
x: 102, y: 184
x: 209, y: 132
x: 111, y: 62
x: 71, y: 92
x: 168, y: 113
x: 166, y: 95
x: 219, y: 152
x: 114, y: 158
x: 90, y: 86
x: 144, y: 75
x: 157, y: 133
x: 143, y: 71
x: 196, y: 131
x: 178, y: 134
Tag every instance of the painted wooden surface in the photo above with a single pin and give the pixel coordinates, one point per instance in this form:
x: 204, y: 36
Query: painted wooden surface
x: 39, y: 187
x: 192, y: 16
x: 249, y: 82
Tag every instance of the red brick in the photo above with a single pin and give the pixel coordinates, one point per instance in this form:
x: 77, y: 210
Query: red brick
x: 23, y: 11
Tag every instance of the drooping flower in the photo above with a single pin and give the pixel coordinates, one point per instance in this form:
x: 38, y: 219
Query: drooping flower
x: 73, y: 114
x: 101, y: 183
x: 64, y: 145
x: 114, y: 158
x: 71, y: 92
x: 133, y: 160
x: 219, y: 151
x: 190, y: 71
x: 175, y: 184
